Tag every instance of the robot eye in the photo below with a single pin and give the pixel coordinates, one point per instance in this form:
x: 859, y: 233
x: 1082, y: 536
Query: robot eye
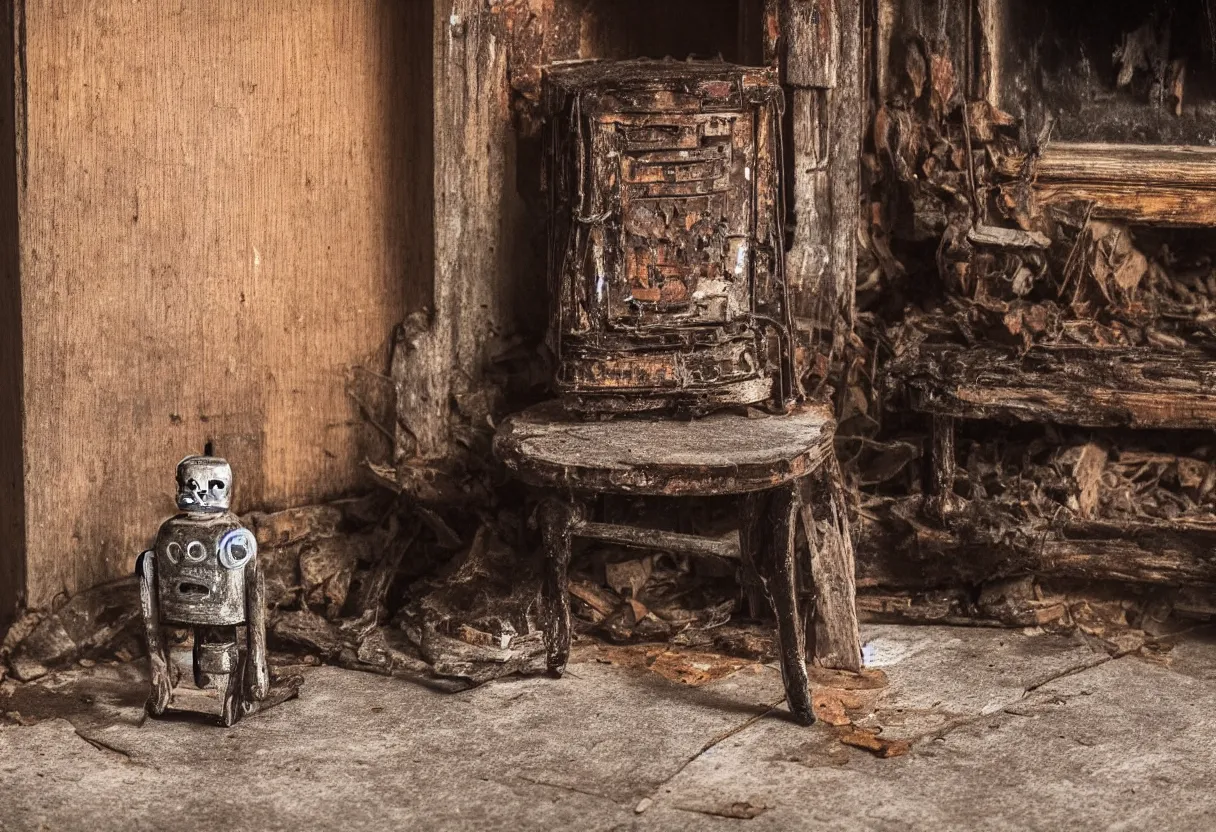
x: 192, y: 484
x: 237, y: 548
x: 196, y: 552
x: 174, y: 552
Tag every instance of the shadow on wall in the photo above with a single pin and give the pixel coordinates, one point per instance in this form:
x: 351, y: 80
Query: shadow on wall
x: 12, y: 486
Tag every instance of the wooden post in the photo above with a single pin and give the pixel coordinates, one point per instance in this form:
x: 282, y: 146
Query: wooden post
x: 557, y: 519
x: 443, y: 349
x: 823, y: 69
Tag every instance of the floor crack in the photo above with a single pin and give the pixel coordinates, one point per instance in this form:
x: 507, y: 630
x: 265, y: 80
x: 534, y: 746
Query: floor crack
x: 101, y: 745
x: 564, y: 787
x: 1098, y: 661
x: 719, y: 739
x: 955, y: 724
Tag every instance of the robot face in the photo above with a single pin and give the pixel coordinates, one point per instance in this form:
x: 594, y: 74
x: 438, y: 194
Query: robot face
x: 204, y: 484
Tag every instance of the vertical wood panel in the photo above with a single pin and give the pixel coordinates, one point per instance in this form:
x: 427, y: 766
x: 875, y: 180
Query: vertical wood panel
x: 477, y: 233
x: 217, y: 227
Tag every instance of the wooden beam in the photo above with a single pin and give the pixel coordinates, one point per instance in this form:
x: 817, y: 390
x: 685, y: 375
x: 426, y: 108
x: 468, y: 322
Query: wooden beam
x: 896, y: 551
x: 1162, y: 184
x: 1090, y: 387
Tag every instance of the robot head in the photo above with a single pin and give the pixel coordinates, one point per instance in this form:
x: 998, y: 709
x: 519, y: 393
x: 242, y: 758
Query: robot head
x: 204, y: 484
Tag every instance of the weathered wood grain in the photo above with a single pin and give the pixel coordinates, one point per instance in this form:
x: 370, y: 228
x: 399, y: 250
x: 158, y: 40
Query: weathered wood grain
x: 1165, y: 184
x: 846, y: 108
x: 814, y: 43
x: 807, y: 261
x: 442, y: 354
x: 216, y: 224
x: 1140, y: 388
x: 825, y: 520
x: 823, y: 66
x: 726, y: 453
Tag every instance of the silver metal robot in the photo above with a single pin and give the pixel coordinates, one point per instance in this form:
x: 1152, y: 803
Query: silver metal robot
x: 203, y: 573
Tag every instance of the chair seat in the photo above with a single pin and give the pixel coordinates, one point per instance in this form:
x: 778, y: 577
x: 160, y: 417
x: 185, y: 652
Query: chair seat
x: 724, y: 453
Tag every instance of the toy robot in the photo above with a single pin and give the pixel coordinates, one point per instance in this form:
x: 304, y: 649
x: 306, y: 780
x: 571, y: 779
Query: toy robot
x: 203, y: 573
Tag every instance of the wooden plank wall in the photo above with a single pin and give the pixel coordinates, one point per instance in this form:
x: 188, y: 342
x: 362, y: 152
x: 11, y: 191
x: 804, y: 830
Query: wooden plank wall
x: 218, y: 221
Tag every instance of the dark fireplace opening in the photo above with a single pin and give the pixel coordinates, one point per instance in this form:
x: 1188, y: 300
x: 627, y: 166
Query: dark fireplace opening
x: 1122, y: 71
x: 679, y: 29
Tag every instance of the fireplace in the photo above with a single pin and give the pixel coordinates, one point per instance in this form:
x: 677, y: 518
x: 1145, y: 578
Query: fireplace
x: 1120, y: 95
x: 1123, y: 71
x: 666, y: 242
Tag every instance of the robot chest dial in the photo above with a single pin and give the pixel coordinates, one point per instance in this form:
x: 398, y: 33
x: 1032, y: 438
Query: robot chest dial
x: 206, y: 548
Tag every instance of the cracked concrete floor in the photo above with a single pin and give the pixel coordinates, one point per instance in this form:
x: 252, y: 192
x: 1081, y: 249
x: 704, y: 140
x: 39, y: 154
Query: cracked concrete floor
x: 1009, y: 731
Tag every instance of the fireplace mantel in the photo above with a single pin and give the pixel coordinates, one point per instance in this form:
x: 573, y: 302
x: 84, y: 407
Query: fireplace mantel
x: 1160, y: 184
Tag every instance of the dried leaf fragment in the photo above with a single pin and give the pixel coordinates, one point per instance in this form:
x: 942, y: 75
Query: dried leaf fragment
x: 876, y: 745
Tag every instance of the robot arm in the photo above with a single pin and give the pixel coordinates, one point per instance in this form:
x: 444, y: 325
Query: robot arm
x: 162, y: 684
x: 257, y: 676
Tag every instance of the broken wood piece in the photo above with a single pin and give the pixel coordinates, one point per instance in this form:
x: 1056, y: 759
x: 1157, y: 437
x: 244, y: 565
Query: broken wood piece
x: 942, y: 502
x: 598, y: 600
x: 627, y: 578
x: 991, y: 235
x: 725, y: 547
x: 480, y: 663
x: 872, y: 742
x: 825, y: 519
x: 374, y: 589
x: 91, y: 624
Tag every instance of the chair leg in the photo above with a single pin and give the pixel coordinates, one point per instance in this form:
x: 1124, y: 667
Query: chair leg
x: 836, y: 637
x: 767, y: 539
x: 942, y: 501
x: 556, y: 520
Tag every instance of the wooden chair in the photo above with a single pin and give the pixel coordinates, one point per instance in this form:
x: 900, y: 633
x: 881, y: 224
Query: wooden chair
x: 783, y: 467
